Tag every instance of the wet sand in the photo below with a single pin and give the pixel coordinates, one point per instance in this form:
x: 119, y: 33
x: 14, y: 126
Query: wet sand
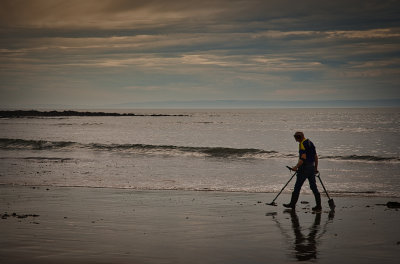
x: 89, y: 225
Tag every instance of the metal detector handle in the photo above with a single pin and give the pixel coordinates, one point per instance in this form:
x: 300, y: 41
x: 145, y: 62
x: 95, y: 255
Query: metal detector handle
x: 289, y: 168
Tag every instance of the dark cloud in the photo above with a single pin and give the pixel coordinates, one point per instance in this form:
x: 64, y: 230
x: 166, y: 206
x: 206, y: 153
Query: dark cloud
x: 188, y: 15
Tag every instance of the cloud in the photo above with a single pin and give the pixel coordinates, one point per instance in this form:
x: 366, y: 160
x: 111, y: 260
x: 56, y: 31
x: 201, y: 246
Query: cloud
x: 305, y: 93
x: 365, y: 34
x: 205, y: 49
x: 98, y: 14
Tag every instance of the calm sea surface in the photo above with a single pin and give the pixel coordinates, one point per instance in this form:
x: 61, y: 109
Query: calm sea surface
x: 225, y: 150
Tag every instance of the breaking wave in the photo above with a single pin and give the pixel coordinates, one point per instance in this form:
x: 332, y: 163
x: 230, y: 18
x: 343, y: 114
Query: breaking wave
x: 362, y: 158
x: 217, y: 152
x: 15, y: 144
x: 223, y: 152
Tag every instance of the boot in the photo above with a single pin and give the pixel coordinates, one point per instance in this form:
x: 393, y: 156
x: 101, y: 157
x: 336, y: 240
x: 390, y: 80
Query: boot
x: 293, y: 201
x: 289, y: 205
x: 318, y: 207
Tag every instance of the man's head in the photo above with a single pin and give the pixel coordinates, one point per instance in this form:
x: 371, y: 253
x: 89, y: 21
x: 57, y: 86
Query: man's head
x: 299, y: 136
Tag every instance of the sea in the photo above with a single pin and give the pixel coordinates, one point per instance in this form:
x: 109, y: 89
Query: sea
x: 229, y: 150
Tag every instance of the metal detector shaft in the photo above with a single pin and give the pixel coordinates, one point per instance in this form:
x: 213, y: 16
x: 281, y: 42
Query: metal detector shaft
x: 284, y: 186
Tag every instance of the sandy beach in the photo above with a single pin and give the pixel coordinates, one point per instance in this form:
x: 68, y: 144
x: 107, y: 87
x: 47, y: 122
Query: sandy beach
x: 103, y: 225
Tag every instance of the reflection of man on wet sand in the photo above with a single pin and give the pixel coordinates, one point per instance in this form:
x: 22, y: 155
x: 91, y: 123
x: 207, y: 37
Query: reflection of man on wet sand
x: 305, y: 247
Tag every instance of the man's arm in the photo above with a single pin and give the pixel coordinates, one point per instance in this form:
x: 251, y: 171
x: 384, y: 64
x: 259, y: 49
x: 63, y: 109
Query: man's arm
x: 300, y: 162
x: 316, y: 163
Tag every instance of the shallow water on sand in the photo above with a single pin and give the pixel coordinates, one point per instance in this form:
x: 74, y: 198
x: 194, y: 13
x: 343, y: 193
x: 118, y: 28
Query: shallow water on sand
x: 105, y: 225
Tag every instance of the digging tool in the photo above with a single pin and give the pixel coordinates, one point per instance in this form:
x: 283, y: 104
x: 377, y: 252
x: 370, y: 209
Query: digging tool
x: 273, y: 201
x: 330, y: 201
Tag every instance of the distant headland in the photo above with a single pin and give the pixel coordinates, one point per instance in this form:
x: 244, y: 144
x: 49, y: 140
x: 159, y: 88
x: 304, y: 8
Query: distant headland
x: 35, y: 113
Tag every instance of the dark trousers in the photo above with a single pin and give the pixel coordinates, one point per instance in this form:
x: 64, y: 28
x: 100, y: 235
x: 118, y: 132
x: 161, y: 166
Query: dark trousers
x: 305, y: 172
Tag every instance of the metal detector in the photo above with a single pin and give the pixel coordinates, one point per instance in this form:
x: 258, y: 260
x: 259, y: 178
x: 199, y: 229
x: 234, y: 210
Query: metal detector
x: 273, y: 201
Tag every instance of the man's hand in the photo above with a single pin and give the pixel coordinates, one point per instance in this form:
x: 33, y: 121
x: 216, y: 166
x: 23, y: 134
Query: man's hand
x: 294, y: 168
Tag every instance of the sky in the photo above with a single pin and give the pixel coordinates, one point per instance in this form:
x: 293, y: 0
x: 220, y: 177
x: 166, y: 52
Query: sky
x: 109, y: 52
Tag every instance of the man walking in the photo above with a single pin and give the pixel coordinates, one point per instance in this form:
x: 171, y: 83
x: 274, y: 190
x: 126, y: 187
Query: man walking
x: 306, y: 168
